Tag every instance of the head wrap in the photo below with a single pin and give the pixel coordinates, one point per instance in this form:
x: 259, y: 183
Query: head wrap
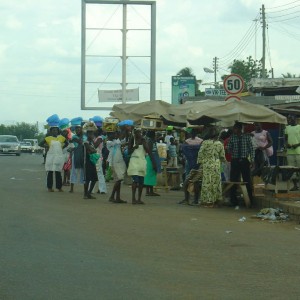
x: 76, y: 121
x: 53, y: 121
x: 126, y: 122
x: 64, y: 124
x: 97, y: 120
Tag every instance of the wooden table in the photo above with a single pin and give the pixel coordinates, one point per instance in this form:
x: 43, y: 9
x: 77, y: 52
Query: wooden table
x: 227, y: 185
x: 288, y: 193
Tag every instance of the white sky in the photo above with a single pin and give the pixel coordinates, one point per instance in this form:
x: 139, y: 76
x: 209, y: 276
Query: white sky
x: 40, y: 46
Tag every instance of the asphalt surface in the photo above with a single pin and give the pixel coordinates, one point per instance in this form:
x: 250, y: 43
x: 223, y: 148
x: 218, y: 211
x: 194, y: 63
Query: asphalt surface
x: 60, y: 246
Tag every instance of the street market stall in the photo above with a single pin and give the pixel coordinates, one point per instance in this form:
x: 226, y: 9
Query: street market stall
x: 235, y: 110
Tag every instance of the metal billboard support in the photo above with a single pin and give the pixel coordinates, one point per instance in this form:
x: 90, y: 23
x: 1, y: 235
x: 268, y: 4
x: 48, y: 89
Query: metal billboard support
x: 124, y: 56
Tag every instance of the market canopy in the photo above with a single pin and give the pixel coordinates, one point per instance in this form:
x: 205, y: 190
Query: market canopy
x: 170, y: 113
x: 200, y: 112
x: 137, y: 111
x: 235, y: 110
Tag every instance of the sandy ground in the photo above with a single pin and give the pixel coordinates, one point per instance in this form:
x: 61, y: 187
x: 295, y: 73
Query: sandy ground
x: 60, y: 246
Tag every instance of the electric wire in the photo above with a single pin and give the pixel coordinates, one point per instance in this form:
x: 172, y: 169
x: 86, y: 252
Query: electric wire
x: 276, y: 17
x: 268, y: 48
x: 285, y: 9
x: 242, y: 40
x: 277, y: 21
x: 285, y: 32
x: 238, y: 52
x: 241, y: 48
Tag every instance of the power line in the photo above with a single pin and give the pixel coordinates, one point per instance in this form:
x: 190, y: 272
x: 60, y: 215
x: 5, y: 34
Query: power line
x: 239, y: 51
x: 285, y: 32
x: 242, y: 40
x: 285, y: 19
x: 276, y: 17
x: 268, y: 48
x: 275, y: 12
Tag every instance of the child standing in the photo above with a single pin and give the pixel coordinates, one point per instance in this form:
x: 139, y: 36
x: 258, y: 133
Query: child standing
x: 172, y: 153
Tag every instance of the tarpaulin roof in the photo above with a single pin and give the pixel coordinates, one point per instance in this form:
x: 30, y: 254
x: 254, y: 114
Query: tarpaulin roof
x: 137, y: 111
x: 201, y: 112
x: 235, y: 110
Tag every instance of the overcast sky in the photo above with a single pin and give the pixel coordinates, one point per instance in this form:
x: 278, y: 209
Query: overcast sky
x: 40, y: 48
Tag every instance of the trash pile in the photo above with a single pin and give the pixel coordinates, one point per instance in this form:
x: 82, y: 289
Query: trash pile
x: 272, y: 214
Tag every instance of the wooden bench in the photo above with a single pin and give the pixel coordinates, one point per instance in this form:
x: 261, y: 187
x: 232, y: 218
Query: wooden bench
x: 227, y: 185
x: 165, y: 185
x: 279, y: 190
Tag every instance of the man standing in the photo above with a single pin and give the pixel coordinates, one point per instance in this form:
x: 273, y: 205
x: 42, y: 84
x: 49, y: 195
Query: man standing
x: 292, y: 140
x: 242, y: 152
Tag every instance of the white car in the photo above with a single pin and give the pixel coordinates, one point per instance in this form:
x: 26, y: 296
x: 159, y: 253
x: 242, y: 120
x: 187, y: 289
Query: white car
x: 9, y: 144
x: 26, y: 147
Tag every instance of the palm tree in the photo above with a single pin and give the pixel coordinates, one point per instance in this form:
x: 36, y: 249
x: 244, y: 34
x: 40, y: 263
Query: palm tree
x: 187, y: 71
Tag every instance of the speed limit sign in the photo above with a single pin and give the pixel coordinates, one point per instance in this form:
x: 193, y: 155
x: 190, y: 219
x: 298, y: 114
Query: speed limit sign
x: 233, y: 84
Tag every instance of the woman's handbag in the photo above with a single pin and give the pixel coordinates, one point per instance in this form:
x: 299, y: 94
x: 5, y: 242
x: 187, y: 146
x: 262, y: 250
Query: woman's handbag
x: 94, y: 157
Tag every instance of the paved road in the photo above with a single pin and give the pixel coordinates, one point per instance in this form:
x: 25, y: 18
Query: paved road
x: 59, y: 246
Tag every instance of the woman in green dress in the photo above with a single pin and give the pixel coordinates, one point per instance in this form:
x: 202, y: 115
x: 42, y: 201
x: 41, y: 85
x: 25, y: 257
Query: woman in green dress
x: 210, y: 156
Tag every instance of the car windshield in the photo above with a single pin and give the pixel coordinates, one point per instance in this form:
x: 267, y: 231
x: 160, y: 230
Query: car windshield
x: 8, y: 139
x: 25, y: 143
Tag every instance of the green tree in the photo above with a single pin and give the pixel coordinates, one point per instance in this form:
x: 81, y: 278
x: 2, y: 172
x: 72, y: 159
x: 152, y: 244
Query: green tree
x: 290, y: 75
x: 248, y: 69
x: 21, y: 130
x: 187, y: 72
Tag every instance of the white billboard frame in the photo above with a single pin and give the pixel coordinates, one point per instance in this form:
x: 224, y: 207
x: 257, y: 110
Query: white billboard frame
x: 124, y: 56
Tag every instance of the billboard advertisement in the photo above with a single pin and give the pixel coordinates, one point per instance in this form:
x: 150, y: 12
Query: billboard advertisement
x: 182, y: 86
x: 116, y: 95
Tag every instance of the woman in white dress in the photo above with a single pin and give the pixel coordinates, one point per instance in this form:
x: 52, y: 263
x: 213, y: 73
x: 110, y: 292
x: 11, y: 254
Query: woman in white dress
x: 55, y: 158
x: 137, y: 165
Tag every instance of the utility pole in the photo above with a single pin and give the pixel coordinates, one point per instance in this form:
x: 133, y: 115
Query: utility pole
x: 263, y: 59
x: 215, y: 64
x: 124, y: 54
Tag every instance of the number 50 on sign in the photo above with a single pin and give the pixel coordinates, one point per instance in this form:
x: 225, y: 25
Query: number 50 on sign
x: 233, y: 84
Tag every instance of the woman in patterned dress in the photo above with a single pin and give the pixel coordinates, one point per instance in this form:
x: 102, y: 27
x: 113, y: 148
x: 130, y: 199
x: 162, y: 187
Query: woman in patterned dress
x: 210, y: 156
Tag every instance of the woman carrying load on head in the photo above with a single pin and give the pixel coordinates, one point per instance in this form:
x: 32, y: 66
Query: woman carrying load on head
x: 55, y: 158
x: 137, y: 165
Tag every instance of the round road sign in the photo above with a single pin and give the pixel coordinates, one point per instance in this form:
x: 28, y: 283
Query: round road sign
x: 233, y: 84
x: 232, y: 97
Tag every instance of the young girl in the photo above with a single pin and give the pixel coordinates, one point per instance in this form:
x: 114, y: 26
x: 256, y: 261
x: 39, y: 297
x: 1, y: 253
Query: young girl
x: 137, y: 164
x: 90, y: 172
x: 117, y: 164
